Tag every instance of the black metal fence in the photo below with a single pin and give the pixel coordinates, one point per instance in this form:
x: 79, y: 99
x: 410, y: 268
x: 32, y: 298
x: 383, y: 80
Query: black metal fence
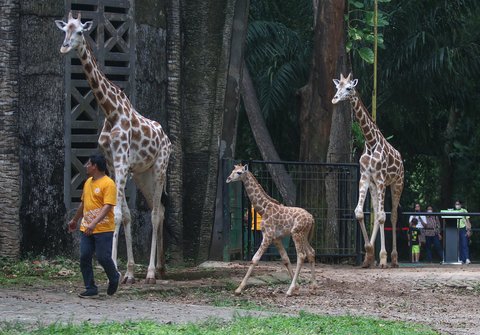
x: 328, y: 191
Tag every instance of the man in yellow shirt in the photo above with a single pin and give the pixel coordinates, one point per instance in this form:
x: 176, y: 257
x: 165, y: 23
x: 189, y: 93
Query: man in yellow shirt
x: 96, y: 211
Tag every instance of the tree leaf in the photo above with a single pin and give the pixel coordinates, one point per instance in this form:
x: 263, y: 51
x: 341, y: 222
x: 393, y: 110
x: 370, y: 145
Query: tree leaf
x: 366, y: 54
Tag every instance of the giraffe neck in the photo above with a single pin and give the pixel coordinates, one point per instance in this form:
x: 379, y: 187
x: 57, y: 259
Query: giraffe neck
x: 256, y: 193
x: 109, y: 96
x: 370, y: 130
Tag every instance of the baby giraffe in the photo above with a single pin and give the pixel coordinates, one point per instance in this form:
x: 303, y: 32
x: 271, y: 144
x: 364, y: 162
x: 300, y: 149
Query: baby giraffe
x: 278, y: 221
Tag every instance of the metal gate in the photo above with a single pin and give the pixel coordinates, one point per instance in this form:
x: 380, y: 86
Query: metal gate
x: 112, y: 39
x: 333, y: 212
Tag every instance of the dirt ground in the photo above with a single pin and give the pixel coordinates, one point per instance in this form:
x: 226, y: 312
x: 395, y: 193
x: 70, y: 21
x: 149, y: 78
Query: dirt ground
x: 445, y: 297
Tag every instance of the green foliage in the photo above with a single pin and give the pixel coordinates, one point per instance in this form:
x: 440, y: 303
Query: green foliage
x: 360, y: 23
x: 303, y: 324
x: 278, y: 53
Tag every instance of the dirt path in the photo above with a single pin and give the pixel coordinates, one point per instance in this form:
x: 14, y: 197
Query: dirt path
x: 442, y: 296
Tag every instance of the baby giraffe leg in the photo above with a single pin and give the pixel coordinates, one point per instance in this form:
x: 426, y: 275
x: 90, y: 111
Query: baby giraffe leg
x: 300, y: 259
x: 283, y: 254
x: 256, y: 258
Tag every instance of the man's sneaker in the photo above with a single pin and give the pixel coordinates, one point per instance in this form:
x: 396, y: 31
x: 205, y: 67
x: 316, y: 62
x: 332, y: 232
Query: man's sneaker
x: 113, y: 285
x: 467, y: 261
x: 88, y: 294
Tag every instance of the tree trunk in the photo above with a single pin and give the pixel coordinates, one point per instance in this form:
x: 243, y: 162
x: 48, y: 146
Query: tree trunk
x: 319, y: 135
x: 316, y: 107
x: 339, y: 151
x: 280, y: 177
x: 207, y: 32
x: 174, y: 110
x: 235, y: 52
x: 9, y: 158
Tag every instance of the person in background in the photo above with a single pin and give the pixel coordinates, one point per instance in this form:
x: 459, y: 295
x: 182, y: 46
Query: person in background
x: 414, y: 240
x: 433, y: 236
x: 421, y: 221
x: 99, y: 197
x: 464, y: 232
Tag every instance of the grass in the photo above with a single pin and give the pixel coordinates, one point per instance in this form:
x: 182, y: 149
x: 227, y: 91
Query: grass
x: 37, y: 271
x: 304, y: 324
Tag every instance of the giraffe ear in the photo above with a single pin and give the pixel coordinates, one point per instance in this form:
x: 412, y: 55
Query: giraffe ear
x: 87, y: 25
x: 245, y: 167
x: 336, y: 82
x: 60, y: 24
x: 354, y: 82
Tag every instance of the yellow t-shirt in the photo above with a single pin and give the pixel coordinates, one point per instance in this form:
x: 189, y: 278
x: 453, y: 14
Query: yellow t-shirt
x: 96, y: 194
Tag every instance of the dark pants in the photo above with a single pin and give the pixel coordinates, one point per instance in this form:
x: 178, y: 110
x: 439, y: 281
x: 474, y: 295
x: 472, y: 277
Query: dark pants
x: 101, y: 245
x: 463, y: 244
x: 435, y: 241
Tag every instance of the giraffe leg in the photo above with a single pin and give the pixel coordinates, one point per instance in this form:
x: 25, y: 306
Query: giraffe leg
x: 380, y: 220
x: 129, y: 277
x: 160, y: 177
x: 396, y: 191
x: 299, y: 246
x: 363, y: 188
x: 283, y: 254
x: 121, y: 180
x: 256, y: 258
x: 156, y: 248
x: 311, y: 260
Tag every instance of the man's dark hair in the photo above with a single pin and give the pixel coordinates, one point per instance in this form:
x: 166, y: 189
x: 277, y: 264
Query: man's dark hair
x: 99, y: 161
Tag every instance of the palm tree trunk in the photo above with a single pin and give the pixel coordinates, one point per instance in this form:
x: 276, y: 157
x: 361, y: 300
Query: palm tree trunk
x: 9, y: 145
x: 174, y: 110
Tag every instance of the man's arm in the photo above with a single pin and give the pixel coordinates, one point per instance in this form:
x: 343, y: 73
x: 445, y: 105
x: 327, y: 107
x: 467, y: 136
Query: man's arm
x: 72, y: 224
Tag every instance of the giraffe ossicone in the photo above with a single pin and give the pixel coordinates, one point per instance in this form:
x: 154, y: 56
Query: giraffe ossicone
x: 278, y: 221
x: 381, y: 166
x: 132, y: 144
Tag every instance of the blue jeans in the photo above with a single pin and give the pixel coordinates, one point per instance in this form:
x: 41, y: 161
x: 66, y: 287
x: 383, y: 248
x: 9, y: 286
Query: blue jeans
x: 435, y: 241
x: 464, y: 253
x: 101, y: 245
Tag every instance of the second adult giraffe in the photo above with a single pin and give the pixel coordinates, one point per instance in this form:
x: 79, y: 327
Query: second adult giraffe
x: 380, y: 166
x: 132, y: 145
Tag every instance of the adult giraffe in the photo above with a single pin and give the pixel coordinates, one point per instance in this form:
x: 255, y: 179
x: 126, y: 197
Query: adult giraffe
x: 132, y: 144
x: 380, y: 166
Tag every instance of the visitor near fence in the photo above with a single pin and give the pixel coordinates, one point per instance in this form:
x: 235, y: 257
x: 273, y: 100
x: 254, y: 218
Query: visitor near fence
x: 464, y: 233
x: 433, y: 236
x: 414, y: 240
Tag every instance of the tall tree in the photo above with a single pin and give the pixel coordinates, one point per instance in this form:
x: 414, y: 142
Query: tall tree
x: 206, y: 28
x: 174, y: 110
x: 9, y: 156
x: 316, y: 107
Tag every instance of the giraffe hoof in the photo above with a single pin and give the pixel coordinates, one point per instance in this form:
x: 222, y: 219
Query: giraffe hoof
x: 150, y: 281
x: 128, y: 280
x: 394, y: 265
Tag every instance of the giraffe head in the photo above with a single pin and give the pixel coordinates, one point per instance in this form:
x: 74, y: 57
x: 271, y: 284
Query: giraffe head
x: 73, y: 29
x: 237, y: 173
x: 345, y: 88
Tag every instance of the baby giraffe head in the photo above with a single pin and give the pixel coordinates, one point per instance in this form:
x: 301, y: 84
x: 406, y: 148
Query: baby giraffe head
x: 73, y: 29
x: 345, y: 88
x: 237, y: 173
